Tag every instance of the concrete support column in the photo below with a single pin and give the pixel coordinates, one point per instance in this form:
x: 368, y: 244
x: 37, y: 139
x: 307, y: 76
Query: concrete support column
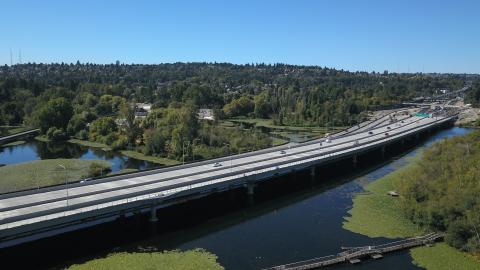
x: 313, y: 172
x: 153, y: 214
x: 383, y: 151
x: 355, y: 160
x: 250, y: 189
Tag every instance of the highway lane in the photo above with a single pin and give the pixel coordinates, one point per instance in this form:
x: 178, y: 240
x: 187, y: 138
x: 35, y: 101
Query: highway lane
x: 217, y: 173
x: 17, y: 202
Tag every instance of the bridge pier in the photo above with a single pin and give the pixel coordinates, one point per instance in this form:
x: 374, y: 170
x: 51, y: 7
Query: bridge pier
x: 250, y: 189
x: 383, y: 151
x: 153, y: 214
x: 355, y: 161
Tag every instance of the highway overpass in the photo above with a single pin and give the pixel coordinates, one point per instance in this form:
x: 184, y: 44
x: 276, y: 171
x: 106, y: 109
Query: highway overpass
x: 34, y: 214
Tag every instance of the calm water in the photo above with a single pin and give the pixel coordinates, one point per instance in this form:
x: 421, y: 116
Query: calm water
x: 33, y: 150
x: 285, y: 224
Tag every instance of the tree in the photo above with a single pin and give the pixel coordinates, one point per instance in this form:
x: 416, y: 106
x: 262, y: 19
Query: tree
x: 239, y: 107
x: 101, y: 128
x: 132, y: 129
x: 56, y: 113
x: 262, y: 108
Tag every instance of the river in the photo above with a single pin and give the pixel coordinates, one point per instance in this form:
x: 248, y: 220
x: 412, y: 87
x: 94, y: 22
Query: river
x: 34, y: 150
x: 284, y: 224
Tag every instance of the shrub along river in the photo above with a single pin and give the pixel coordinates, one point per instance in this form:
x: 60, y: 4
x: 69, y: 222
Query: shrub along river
x: 291, y: 219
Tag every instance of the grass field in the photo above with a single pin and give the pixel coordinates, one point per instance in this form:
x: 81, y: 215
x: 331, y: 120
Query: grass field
x: 169, y: 260
x: 278, y: 141
x: 159, y: 160
x: 377, y: 214
x: 40, y: 173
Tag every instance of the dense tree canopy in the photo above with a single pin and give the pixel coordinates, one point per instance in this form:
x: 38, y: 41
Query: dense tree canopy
x: 442, y: 191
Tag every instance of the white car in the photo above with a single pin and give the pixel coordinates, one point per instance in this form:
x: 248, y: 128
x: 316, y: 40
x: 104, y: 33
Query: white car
x: 283, y: 152
x: 217, y: 164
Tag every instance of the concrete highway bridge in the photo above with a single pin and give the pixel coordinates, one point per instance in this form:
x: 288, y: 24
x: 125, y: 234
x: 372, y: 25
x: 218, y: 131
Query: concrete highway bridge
x: 34, y: 214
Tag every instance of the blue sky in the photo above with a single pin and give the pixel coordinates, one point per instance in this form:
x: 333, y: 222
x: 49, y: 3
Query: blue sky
x: 399, y: 36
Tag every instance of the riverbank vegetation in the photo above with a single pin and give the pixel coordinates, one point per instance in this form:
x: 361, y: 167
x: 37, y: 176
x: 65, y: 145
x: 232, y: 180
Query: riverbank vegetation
x: 438, y: 192
x: 41, y: 173
x: 376, y: 214
x: 441, y: 191
x: 167, y: 260
x: 14, y: 143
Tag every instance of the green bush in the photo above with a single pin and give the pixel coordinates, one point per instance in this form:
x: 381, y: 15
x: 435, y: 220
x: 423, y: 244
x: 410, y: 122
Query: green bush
x: 56, y: 134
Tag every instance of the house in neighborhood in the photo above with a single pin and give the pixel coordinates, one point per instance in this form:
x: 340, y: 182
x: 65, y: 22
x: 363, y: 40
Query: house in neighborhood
x: 206, y: 114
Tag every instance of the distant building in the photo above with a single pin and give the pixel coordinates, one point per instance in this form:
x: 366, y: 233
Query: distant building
x: 142, y: 110
x: 145, y: 106
x: 205, y: 114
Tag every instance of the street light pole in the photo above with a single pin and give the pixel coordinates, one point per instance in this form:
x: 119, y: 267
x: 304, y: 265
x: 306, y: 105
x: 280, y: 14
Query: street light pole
x: 230, y: 155
x: 193, y: 148
x: 66, y: 181
x: 183, y: 151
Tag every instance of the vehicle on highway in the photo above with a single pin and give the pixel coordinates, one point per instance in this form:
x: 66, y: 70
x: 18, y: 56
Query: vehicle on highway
x: 283, y: 152
x: 370, y: 132
x: 386, y: 134
x: 217, y: 164
x: 389, y: 128
x: 356, y: 142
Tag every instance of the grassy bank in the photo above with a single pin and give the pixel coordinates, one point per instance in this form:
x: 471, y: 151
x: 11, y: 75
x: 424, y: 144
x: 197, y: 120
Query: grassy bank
x: 40, y: 173
x: 376, y: 214
x: 13, y: 143
x: 443, y: 257
x: 168, y: 260
x: 268, y: 123
x: 42, y: 138
x: 159, y: 160
x: 14, y: 129
x: 90, y: 144
x: 122, y: 171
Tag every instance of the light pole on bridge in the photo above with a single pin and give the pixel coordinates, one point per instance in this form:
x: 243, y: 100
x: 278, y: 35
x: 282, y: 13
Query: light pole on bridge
x: 66, y: 181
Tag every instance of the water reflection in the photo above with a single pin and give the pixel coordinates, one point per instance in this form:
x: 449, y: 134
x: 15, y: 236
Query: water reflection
x: 34, y: 150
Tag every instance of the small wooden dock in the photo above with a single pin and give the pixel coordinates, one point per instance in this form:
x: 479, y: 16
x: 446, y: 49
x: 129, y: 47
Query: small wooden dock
x: 354, y: 255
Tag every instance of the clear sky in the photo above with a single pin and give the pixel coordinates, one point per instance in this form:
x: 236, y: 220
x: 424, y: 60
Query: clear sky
x: 399, y: 36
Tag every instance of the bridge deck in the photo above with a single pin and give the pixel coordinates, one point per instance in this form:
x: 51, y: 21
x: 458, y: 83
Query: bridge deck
x: 24, y: 208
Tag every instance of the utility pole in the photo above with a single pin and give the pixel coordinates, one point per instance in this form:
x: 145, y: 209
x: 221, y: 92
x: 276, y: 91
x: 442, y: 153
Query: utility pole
x: 66, y: 180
